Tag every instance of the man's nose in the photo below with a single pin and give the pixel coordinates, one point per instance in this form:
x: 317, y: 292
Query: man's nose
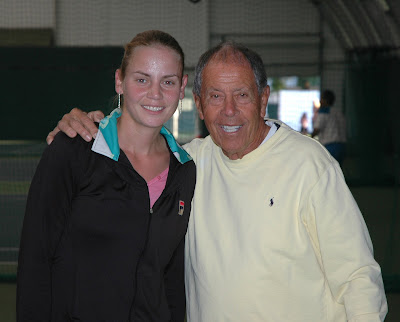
x: 230, y: 108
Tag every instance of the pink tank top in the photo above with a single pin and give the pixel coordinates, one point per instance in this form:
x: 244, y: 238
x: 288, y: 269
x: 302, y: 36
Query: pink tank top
x: 156, y: 186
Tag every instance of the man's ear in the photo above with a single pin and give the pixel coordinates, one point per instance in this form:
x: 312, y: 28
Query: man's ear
x: 197, y: 101
x: 118, y: 82
x: 264, y: 101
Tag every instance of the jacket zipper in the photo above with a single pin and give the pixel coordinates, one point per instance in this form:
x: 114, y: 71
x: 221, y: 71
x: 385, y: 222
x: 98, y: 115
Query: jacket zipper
x: 138, y: 262
x: 174, y: 170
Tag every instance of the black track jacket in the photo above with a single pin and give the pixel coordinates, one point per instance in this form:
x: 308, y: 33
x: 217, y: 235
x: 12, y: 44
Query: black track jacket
x: 91, y: 247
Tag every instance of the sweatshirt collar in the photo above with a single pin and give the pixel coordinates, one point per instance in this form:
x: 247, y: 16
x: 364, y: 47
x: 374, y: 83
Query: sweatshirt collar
x: 106, y: 142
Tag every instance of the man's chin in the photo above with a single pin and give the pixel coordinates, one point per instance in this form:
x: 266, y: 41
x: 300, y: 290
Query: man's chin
x: 232, y: 153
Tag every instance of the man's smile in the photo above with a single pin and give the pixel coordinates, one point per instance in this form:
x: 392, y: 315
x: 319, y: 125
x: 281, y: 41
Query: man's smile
x: 230, y: 128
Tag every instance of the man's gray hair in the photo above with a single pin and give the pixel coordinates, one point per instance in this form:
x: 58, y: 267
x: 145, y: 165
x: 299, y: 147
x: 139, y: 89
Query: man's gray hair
x: 224, y: 49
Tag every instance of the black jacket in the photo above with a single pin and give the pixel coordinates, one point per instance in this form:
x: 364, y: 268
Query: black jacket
x: 91, y: 247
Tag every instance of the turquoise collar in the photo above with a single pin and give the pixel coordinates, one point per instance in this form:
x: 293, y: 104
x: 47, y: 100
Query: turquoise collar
x: 106, y: 142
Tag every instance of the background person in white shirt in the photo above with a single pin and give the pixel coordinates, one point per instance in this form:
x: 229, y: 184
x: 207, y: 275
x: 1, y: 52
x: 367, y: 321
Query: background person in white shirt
x: 330, y: 126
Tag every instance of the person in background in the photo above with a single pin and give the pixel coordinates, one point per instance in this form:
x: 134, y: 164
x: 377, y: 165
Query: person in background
x: 330, y: 126
x: 268, y: 240
x: 304, y: 124
x: 104, y: 229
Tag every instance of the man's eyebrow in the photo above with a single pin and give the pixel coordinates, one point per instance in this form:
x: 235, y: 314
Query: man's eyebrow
x: 241, y: 89
x: 212, y: 89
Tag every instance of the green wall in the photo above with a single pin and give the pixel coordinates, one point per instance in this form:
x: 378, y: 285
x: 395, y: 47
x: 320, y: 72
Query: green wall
x: 372, y: 110
x: 39, y: 85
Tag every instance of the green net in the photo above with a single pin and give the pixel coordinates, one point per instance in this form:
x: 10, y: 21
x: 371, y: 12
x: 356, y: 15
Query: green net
x: 18, y: 161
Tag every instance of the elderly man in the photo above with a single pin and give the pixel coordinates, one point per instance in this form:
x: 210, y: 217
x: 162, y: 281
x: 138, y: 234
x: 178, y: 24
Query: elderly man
x: 274, y: 234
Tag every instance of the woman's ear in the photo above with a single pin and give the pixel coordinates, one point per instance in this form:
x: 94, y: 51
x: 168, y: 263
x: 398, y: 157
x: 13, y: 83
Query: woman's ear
x: 183, y: 86
x: 118, y: 82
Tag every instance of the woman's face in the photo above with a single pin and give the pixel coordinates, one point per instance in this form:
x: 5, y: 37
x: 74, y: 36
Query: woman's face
x: 152, y: 85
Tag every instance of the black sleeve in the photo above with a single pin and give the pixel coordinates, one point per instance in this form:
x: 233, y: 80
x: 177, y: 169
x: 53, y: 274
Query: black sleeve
x: 175, y: 284
x: 47, y: 209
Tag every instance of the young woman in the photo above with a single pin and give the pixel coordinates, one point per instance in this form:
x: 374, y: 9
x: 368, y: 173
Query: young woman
x: 103, y: 234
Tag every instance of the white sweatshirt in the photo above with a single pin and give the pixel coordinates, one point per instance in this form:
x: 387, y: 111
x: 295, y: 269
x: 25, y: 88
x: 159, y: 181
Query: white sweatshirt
x: 277, y: 236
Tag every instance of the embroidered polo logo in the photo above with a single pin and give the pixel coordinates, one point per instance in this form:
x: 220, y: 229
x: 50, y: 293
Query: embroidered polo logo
x: 271, y: 202
x: 181, y: 207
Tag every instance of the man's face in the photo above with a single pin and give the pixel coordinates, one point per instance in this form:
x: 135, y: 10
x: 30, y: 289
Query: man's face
x: 231, y: 106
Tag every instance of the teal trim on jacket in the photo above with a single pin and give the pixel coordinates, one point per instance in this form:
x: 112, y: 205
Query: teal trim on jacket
x: 108, y: 129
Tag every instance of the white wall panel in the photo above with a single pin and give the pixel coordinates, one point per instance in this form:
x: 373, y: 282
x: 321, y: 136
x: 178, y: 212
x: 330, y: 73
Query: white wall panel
x: 263, y: 16
x: 114, y: 22
x: 284, y: 32
x: 18, y: 14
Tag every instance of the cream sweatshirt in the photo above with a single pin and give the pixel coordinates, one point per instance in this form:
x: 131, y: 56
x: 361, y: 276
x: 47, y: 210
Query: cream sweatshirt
x: 277, y: 236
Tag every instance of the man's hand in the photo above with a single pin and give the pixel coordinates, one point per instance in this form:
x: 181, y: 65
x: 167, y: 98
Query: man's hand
x: 77, y: 122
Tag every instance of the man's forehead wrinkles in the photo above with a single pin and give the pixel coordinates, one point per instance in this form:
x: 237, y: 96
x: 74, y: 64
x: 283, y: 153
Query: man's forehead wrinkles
x: 234, y: 89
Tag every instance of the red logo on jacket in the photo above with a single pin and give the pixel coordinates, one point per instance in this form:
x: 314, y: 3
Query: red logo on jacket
x: 181, y: 207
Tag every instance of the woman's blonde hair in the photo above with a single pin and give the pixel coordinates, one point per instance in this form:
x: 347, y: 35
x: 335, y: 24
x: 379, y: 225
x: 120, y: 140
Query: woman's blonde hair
x: 148, y: 38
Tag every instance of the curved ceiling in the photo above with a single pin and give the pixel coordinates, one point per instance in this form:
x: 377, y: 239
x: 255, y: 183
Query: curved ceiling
x: 360, y: 25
